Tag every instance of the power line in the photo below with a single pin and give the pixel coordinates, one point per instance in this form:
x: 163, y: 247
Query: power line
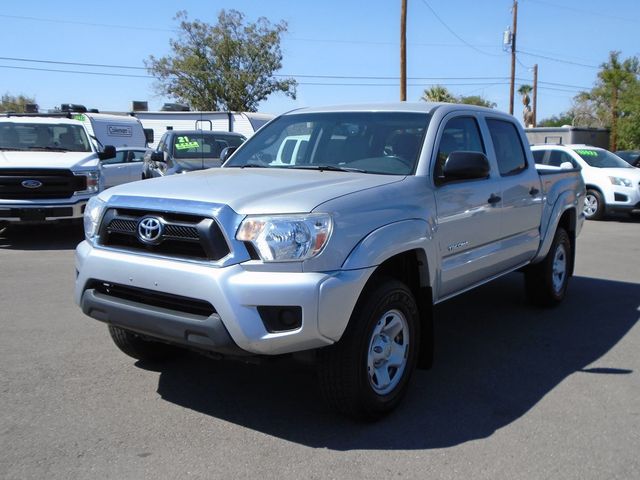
x: 455, y: 34
x: 88, y: 24
x: 558, y: 60
x: 489, y: 80
x: 107, y: 74
x: 355, y: 77
x: 83, y: 72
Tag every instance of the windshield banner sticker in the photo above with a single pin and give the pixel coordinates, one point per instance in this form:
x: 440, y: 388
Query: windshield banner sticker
x: 588, y: 153
x: 184, y: 143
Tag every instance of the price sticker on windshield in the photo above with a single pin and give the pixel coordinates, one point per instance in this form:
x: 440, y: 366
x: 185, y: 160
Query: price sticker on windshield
x: 183, y: 143
x: 588, y: 153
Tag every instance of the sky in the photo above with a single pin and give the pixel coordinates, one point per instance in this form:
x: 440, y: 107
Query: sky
x: 340, y: 51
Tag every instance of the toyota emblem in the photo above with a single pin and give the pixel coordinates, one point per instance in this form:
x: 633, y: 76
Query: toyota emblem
x: 31, y: 184
x: 150, y: 230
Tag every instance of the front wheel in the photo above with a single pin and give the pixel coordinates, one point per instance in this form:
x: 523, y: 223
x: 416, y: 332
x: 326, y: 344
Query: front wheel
x: 593, y: 205
x: 366, y: 374
x: 546, y: 282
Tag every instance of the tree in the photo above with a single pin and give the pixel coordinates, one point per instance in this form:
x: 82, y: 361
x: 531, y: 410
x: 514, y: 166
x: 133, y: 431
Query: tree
x: 557, y: 120
x: 13, y: 103
x: 227, y: 66
x: 438, y: 93
x: 609, y: 98
x: 476, y: 100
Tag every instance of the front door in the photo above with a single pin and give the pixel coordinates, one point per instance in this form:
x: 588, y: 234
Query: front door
x: 468, y: 212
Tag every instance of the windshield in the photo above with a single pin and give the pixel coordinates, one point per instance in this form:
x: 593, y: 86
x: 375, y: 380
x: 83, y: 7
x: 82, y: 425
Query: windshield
x: 370, y: 142
x: 43, y: 136
x: 601, y: 158
x: 207, y: 145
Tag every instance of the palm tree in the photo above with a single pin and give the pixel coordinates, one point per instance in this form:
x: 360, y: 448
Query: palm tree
x: 438, y: 93
x: 527, y: 114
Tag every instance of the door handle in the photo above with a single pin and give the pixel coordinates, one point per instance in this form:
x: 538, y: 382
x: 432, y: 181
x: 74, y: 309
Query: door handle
x: 534, y: 191
x: 494, y: 198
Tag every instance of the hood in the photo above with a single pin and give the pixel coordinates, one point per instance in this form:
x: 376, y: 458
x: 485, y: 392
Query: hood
x: 630, y: 173
x: 39, y: 159
x: 256, y: 191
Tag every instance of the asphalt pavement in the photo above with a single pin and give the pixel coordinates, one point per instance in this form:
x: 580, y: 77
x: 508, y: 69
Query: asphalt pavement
x: 516, y: 392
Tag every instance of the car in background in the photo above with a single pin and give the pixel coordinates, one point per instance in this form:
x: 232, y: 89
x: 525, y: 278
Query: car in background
x: 125, y: 167
x: 612, y: 184
x: 632, y: 157
x: 182, y: 151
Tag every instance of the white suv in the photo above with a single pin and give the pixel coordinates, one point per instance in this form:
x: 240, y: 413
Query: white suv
x: 612, y: 184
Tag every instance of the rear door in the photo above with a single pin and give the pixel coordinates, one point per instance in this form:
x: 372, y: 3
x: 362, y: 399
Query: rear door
x: 135, y: 162
x: 468, y: 215
x: 521, y: 195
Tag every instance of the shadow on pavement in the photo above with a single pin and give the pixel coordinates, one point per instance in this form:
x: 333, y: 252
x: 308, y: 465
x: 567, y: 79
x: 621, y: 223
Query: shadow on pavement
x: 622, y: 218
x: 41, y: 237
x: 496, y: 357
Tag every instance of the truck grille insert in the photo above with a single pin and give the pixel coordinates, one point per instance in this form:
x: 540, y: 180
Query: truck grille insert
x: 39, y: 184
x: 152, y: 298
x: 179, y: 235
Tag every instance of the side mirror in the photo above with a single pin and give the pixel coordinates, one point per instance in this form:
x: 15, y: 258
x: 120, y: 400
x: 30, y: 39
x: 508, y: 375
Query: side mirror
x: 466, y: 166
x: 108, y: 152
x: 157, y: 157
x: 226, y: 153
x: 566, y: 166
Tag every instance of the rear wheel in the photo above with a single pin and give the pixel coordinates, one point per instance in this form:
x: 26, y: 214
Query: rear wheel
x: 366, y: 374
x: 140, y: 348
x: 593, y: 205
x: 546, y: 282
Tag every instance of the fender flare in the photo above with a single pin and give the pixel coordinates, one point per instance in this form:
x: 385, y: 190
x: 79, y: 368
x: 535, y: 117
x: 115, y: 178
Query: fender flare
x: 393, y: 239
x: 562, y: 204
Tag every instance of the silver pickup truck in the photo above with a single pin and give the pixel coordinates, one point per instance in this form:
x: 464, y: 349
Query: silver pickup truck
x: 331, y: 231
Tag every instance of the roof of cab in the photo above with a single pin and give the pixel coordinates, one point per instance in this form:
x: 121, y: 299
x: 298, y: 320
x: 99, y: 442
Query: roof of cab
x: 411, y: 107
x: 41, y: 120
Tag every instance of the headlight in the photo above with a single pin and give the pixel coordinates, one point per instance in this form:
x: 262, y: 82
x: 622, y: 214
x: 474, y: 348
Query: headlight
x: 93, y: 181
x: 622, y: 182
x: 92, y: 214
x: 287, y: 237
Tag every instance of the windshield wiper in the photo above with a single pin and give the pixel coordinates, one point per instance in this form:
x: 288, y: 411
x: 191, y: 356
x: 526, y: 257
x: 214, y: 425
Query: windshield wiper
x: 13, y: 149
x: 331, y: 168
x: 53, y: 149
x: 254, y: 165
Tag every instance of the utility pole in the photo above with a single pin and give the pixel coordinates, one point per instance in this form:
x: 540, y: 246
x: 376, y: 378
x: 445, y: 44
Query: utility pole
x: 535, y: 94
x: 403, y: 51
x: 513, y: 54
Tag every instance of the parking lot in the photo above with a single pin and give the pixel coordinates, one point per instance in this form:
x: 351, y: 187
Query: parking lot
x: 516, y: 392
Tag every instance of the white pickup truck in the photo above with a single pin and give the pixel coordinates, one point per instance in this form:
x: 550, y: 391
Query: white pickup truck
x: 339, y: 251
x: 51, y: 165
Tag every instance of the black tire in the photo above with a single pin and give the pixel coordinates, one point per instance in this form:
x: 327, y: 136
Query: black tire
x: 344, y: 367
x: 140, y: 348
x: 543, y: 283
x: 594, y: 205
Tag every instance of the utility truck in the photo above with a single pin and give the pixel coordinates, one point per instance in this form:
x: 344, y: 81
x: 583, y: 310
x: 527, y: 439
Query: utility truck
x: 50, y: 165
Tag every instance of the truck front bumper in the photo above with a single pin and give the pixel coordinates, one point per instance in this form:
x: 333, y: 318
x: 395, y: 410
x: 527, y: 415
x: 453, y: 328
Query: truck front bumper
x: 25, y: 213
x: 235, y: 293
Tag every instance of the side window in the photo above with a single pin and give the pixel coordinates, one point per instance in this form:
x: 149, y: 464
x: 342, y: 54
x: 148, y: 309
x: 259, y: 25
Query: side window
x: 558, y: 157
x: 121, y: 157
x: 508, y: 147
x: 136, y: 156
x: 459, y: 134
x: 538, y: 156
